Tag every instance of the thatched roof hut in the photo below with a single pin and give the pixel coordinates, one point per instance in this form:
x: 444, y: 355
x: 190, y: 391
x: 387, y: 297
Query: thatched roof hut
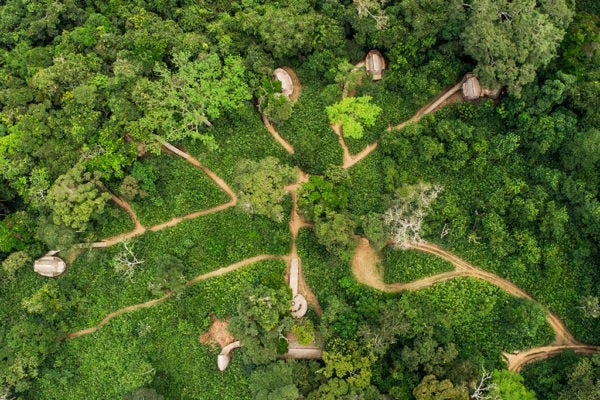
x: 224, y: 357
x: 287, y: 84
x: 299, y: 306
x: 471, y: 89
x: 49, y: 265
x: 375, y: 64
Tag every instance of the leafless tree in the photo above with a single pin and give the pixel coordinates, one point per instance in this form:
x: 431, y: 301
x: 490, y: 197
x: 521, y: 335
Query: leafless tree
x: 484, y: 387
x: 126, y: 261
x: 404, y: 219
x: 373, y: 9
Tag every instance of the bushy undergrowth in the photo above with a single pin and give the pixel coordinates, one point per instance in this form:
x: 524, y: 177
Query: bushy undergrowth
x: 158, y: 347
x: 409, y: 265
x: 113, y: 222
x: 181, y: 189
x: 316, y: 145
x: 191, y: 248
x: 484, y: 320
x: 242, y: 136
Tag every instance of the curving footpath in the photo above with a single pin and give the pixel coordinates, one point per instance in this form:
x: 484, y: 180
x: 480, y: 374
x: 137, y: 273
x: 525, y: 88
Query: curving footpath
x: 366, y: 269
x: 441, y: 100
x: 139, y: 229
x: 147, y: 304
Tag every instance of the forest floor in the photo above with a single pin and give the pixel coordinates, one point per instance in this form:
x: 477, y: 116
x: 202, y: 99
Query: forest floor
x: 366, y: 262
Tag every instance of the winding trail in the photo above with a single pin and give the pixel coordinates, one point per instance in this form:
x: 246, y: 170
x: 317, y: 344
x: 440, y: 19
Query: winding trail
x: 296, y: 223
x: 139, y: 229
x: 366, y: 267
x: 271, y: 129
x: 516, y: 361
x: 147, y: 304
x: 441, y: 100
x: 293, y: 98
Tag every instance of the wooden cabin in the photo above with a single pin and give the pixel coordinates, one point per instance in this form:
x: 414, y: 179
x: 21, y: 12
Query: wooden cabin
x: 375, y: 64
x: 49, y: 265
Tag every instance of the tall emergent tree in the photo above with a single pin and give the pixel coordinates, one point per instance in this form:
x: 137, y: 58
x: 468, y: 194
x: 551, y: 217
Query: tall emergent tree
x: 510, y: 40
x: 352, y: 113
x: 260, y: 185
x: 75, y: 198
x: 185, y: 101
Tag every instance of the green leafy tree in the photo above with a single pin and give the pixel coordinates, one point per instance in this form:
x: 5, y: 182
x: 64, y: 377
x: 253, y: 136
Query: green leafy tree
x: 350, y: 361
x: 584, y: 380
x: 260, y: 186
x: 130, y: 188
x: 278, y: 108
x: 430, y: 18
x: 274, y: 382
x: 182, y: 103
x: 304, y: 331
x: 336, y: 232
x: 589, y: 304
x: 14, y: 262
x: 511, y: 40
x: 293, y: 30
x: 509, y: 385
x: 322, y: 195
x: 353, y: 113
x: 75, y: 198
x: 47, y: 301
x: 262, y: 320
x: 430, y: 388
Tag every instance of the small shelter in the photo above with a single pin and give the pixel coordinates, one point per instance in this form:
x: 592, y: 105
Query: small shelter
x: 287, y: 84
x: 224, y: 357
x: 375, y: 64
x: 471, y: 90
x: 299, y: 305
x: 49, y: 265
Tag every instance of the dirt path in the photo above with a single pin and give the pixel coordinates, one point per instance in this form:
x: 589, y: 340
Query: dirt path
x: 448, y: 96
x: 296, y: 223
x: 293, y: 97
x: 147, y: 304
x: 516, y: 361
x: 441, y: 100
x: 139, y: 229
x: 288, y: 147
x: 366, y: 267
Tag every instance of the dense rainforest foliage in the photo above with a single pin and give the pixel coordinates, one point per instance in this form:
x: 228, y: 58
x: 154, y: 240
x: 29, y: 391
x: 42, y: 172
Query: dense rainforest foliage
x: 91, y: 90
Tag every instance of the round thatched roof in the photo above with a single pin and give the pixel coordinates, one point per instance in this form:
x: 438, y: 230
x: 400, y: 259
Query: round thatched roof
x: 287, y: 85
x: 299, y: 306
x: 224, y: 357
x: 471, y: 89
x: 49, y: 265
x: 375, y: 64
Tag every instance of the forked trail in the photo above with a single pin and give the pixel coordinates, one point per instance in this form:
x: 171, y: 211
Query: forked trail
x: 366, y: 268
x: 167, y: 295
x: 139, y: 229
